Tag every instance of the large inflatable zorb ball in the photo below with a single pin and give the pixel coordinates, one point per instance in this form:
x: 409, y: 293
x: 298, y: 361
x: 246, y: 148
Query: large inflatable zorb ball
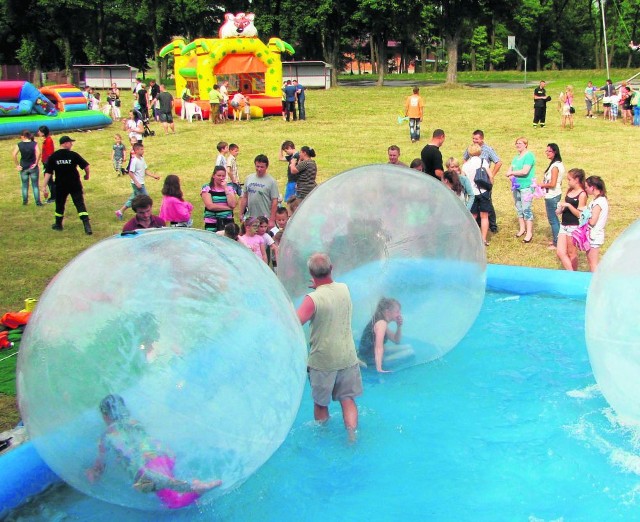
x: 611, y: 324
x: 397, y: 233
x: 196, y: 335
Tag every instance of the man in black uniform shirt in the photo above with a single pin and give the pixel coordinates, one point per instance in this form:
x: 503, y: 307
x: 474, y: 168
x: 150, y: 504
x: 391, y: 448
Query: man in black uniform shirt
x: 539, y: 105
x: 64, y: 164
x: 432, y: 157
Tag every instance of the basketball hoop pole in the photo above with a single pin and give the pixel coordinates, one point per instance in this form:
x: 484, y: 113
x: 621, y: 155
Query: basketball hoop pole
x: 511, y: 45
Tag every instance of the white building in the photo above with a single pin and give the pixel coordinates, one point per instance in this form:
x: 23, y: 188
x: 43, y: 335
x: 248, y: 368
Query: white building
x: 102, y: 76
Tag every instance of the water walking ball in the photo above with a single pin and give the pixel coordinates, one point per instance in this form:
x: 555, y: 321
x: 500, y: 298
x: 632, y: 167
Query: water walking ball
x: 398, y: 233
x: 194, y: 333
x: 611, y: 324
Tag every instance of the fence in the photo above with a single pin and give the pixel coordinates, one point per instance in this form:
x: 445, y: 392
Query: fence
x: 16, y: 72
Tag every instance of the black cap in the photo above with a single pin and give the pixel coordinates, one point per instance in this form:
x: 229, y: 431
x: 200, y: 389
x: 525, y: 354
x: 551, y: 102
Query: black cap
x: 66, y: 139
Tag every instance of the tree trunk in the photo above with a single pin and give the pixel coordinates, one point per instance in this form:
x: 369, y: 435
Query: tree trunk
x: 66, y: 52
x: 331, y: 53
x: 594, y: 30
x: 612, y: 49
x: 37, y: 76
x: 539, y: 52
x: 633, y: 35
x: 473, y: 60
x: 381, y: 51
x: 452, y: 54
x: 381, y: 55
x: 100, y: 26
x: 374, y: 57
x: 493, y: 42
x: 163, y: 69
x: 423, y: 58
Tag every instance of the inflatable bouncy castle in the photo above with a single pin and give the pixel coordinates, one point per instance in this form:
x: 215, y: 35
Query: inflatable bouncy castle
x: 59, y: 107
x: 237, y: 56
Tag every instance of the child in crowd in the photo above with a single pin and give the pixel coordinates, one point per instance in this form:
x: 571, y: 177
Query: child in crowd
x: 453, y: 165
x: 570, y: 210
x: 282, y: 216
x: 231, y: 230
x: 615, y: 101
x: 377, y: 331
x: 232, y: 169
x: 47, y: 149
x: 223, y: 150
x: 138, y: 172
x: 247, y: 108
x: 224, y: 107
x: 95, y: 102
x: 452, y: 181
x: 117, y: 154
x: 293, y: 203
x: 269, y: 243
x: 174, y: 209
x: 149, y: 464
x: 287, y: 153
x: 417, y: 164
x: 132, y: 142
x: 251, y: 239
x: 599, y: 210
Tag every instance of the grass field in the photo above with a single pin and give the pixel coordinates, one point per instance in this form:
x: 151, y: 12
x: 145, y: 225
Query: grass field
x: 348, y: 127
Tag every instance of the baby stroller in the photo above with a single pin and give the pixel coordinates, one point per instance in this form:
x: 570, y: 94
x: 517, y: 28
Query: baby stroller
x: 145, y: 124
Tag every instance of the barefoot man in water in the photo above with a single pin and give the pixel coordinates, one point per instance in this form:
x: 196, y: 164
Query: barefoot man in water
x: 333, y: 367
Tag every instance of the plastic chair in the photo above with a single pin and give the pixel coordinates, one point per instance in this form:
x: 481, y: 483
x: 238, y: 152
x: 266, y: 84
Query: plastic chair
x: 192, y: 111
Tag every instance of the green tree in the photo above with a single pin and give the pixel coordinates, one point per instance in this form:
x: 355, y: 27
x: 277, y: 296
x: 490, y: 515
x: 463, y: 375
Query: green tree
x: 377, y: 18
x: 554, y: 55
x: 479, y: 53
x: 455, y: 19
x: 28, y: 54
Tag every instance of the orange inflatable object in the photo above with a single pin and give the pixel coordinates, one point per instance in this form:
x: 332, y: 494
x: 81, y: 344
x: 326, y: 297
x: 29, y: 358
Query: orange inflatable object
x: 4, y: 340
x: 15, y: 319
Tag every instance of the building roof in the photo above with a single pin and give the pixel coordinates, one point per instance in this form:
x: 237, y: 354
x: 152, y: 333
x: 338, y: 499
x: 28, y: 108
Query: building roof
x: 308, y: 62
x: 106, y: 66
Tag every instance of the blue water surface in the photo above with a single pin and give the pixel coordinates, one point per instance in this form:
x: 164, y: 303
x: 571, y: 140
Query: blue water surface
x: 509, y: 426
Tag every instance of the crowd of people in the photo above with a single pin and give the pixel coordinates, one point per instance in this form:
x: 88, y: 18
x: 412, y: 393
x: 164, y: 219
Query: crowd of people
x: 575, y: 224
x: 471, y: 179
x: 262, y: 211
x: 621, y: 103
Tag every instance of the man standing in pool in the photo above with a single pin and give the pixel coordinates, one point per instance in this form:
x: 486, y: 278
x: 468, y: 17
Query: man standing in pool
x: 333, y: 363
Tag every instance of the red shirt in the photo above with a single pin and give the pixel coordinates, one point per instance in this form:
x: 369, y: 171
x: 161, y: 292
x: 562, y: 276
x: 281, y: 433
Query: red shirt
x: 47, y: 148
x: 133, y: 224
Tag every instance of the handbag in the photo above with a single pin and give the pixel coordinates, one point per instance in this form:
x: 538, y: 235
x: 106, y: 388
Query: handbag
x: 572, y: 110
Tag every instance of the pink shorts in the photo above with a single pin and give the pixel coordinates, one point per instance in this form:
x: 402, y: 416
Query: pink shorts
x: 164, y: 465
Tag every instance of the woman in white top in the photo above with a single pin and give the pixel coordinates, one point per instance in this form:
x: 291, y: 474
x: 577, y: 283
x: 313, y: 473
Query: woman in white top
x: 552, y: 185
x: 599, y: 207
x: 134, y: 126
x: 482, y: 200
